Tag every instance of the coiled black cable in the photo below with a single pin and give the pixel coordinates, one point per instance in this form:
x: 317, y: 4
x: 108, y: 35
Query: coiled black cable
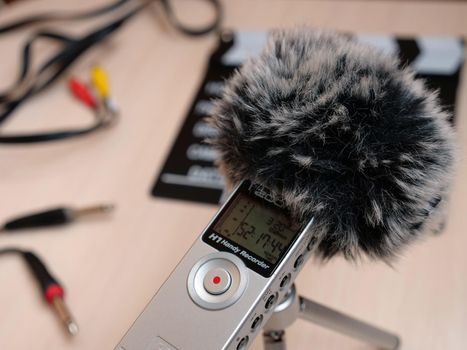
x: 29, y: 84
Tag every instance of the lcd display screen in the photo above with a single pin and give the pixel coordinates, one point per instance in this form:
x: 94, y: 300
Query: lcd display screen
x: 264, y: 230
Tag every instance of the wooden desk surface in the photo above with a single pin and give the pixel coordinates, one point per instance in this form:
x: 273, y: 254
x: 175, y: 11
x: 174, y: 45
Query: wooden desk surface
x: 113, y: 267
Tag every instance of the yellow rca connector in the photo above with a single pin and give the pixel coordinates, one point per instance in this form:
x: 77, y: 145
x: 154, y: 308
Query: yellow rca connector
x: 100, y: 81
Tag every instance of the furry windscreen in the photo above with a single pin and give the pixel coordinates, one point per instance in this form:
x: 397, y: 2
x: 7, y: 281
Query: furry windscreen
x: 343, y: 135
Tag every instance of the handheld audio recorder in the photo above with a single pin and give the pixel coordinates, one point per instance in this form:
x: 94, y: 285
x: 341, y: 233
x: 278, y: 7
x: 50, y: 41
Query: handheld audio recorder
x: 226, y: 286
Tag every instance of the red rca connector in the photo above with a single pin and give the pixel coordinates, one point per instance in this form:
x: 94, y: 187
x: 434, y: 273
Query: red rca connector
x: 82, y: 93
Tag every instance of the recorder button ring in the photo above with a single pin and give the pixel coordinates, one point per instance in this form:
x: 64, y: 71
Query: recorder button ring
x: 217, y: 281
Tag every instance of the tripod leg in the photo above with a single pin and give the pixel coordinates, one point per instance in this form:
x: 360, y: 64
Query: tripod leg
x: 274, y: 340
x: 326, y: 317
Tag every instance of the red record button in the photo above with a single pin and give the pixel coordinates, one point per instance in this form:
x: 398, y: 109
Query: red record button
x: 217, y: 281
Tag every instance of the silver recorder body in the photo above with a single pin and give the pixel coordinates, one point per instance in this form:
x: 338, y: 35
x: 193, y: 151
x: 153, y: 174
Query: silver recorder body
x: 214, y: 299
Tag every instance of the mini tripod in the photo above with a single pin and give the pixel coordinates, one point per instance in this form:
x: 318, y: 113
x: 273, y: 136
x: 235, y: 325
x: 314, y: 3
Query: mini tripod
x: 294, y: 306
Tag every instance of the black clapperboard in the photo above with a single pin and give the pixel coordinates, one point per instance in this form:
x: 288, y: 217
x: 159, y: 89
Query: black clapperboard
x: 189, y: 172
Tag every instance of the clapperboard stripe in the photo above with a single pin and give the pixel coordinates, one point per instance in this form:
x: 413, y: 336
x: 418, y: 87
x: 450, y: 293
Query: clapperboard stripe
x: 439, y: 56
x: 189, y: 172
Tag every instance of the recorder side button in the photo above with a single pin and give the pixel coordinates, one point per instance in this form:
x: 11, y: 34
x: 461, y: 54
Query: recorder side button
x: 298, y: 262
x: 243, y: 343
x: 217, y: 281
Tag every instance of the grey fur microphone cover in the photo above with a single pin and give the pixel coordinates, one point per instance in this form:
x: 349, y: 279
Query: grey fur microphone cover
x: 341, y: 134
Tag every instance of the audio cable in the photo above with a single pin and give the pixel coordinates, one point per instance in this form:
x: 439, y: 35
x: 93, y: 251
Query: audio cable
x: 52, y: 291
x: 61, y: 16
x: 60, y: 216
x: 99, y: 102
x: 31, y: 83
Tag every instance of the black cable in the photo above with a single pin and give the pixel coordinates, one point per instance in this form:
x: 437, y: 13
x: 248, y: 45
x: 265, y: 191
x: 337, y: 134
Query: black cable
x: 52, y: 217
x: 26, y: 58
x: 73, y: 48
x: 37, y: 267
x: 61, y: 16
x: 52, y: 291
x: 58, y: 63
x: 52, y: 69
x: 49, y: 136
x: 9, y: 250
x: 194, y: 31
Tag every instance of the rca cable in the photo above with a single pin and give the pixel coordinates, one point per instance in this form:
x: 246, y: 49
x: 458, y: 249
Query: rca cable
x: 95, y: 96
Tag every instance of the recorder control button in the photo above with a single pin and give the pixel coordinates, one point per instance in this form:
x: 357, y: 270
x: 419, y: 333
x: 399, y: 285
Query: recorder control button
x: 299, y: 261
x: 243, y: 343
x: 217, y: 281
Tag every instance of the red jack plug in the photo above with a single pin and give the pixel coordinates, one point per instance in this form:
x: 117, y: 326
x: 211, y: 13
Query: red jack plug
x: 53, y: 292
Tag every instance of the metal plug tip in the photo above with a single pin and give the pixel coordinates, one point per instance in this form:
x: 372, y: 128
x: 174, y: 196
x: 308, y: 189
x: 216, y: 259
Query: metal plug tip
x: 107, y: 208
x: 73, y: 328
x: 92, y: 210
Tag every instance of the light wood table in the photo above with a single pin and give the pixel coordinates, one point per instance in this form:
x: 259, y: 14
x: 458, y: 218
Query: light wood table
x: 113, y: 267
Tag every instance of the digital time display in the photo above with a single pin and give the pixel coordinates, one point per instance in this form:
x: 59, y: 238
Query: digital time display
x: 262, y: 229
